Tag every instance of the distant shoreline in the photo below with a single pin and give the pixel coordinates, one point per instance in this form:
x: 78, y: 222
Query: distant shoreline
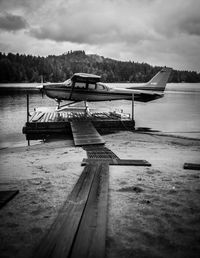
x: 38, y: 143
x: 31, y: 86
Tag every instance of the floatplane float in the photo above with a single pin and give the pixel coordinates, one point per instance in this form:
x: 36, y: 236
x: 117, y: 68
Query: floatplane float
x: 88, y: 87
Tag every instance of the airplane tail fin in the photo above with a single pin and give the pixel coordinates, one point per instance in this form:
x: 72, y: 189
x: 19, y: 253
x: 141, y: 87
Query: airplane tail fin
x: 158, y: 82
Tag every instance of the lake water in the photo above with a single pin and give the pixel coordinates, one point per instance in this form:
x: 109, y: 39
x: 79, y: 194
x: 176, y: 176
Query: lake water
x: 177, y: 113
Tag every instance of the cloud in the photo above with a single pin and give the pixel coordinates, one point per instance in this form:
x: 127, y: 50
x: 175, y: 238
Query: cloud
x: 111, y: 21
x: 11, y: 22
x: 174, y: 19
x: 155, y: 31
x: 191, y: 26
x: 21, y: 5
x: 23, y: 44
x: 94, y: 22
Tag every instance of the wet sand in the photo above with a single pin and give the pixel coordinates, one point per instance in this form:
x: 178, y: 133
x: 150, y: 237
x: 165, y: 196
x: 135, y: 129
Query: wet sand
x: 152, y: 211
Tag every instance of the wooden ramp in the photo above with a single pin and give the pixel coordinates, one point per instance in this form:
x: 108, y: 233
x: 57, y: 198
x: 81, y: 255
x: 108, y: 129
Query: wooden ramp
x: 80, y: 228
x: 84, y: 133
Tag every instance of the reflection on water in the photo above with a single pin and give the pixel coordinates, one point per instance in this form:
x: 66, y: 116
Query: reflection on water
x: 177, y: 113
x: 13, y: 116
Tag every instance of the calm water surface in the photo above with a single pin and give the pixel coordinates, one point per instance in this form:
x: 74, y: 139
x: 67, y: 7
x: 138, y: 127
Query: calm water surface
x: 177, y: 113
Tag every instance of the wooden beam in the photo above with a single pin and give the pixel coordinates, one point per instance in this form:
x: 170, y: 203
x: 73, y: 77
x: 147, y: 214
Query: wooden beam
x: 118, y: 162
x: 192, y: 166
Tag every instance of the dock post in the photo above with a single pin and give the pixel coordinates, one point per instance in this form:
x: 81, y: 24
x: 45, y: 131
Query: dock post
x: 27, y: 112
x: 132, y: 107
x: 27, y: 107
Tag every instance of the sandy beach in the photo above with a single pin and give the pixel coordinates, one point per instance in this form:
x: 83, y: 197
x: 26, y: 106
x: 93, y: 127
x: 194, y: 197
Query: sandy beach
x: 152, y: 211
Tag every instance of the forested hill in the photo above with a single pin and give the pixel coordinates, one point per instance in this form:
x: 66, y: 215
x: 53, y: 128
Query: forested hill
x: 27, y: 68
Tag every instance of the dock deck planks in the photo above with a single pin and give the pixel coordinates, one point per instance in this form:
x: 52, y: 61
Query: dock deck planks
x: 68, y: 115
x: 84, y: 133
x: 36, y: 117
x: 45, y: 124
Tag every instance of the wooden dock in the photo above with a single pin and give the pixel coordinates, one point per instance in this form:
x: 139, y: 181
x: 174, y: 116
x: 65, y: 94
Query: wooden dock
x: 43, y: 124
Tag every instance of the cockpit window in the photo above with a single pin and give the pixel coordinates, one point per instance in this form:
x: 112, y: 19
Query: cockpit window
x: 80, y: 85
x: 68, y: 83
x: 102, y: 87
x: 91, y: 86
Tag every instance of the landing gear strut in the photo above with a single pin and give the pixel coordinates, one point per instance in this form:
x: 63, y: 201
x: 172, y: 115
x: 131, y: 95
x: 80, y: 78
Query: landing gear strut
x: 63, y: 106
x: 87, y: 112
x: 58, y: 103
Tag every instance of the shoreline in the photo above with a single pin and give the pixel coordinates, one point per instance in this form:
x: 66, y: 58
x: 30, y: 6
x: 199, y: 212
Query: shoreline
x: 159, y: 220
x: 22, y: 144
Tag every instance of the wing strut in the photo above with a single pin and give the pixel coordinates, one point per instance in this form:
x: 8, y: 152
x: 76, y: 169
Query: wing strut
x: 70, y: 96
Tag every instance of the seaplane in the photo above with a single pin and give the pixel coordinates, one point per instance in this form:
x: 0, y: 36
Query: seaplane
x: 89, y: 88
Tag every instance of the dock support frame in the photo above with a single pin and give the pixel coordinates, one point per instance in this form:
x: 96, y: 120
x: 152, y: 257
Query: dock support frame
x: 27, y: 112
x: 132, y: 107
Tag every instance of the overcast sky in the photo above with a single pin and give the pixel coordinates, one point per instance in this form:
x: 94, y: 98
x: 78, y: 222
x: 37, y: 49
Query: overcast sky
x: 158, y: 32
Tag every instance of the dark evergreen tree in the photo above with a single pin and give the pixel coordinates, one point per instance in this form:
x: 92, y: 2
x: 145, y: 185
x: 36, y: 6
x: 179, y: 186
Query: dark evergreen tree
x: 28, y: 68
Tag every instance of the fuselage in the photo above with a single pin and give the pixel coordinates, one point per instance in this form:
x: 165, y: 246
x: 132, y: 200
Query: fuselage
x: 87, y: 87
x: 93, y: 92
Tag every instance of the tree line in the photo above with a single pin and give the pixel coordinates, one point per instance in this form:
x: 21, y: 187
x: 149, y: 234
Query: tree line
x: 28, y: 68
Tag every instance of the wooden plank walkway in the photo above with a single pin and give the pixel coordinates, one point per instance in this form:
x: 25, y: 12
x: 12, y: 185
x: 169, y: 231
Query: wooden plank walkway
x: 90, y: 241
x: 6, y: 196
x: 84, y: 133
x: 79, y: 230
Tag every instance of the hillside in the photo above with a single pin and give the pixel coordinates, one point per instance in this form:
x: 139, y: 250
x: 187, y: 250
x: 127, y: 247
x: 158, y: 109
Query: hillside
x: 27, y: 68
